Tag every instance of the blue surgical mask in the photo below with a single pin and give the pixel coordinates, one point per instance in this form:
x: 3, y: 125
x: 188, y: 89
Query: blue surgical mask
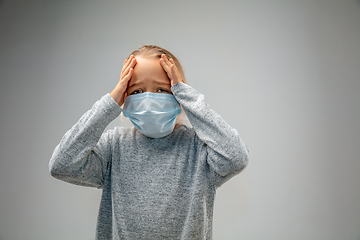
x: 153, y: 114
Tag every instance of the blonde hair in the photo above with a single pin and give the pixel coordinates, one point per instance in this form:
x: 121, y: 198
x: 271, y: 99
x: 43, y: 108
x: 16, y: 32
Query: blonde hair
x: 153, y: 51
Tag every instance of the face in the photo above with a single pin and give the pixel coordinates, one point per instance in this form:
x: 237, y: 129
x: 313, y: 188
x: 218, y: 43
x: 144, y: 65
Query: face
x: 149, y: 76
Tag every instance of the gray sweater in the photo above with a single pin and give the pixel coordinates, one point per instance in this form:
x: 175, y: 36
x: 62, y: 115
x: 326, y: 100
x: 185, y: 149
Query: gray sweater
x: 152, y: 188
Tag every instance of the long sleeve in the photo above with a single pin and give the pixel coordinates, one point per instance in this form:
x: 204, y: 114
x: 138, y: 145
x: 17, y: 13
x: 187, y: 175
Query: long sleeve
x: 82, y: 155
x: 227, y: 153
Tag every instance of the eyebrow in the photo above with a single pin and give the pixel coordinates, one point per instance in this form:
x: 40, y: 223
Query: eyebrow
x: 133, y: 85
x: 162, y: 82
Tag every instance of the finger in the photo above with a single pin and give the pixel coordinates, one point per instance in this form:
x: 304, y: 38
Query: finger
x: 168, y: 71
x: 172, y: 62
x: 165, y: 66
x: 166, y: 60
x: 174, y: 74
x: 127, y: 62
x: 131, y: 65
x: 124, y: 65
x: 127, y: 77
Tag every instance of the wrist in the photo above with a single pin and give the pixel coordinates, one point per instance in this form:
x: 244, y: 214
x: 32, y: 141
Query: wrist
x: 118, y: 97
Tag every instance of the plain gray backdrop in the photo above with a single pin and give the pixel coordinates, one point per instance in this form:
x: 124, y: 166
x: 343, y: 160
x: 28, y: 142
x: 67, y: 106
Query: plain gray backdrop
x: 284, y: 73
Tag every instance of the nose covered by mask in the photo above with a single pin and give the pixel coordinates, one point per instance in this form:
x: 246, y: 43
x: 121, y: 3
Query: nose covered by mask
x: 153, y: 114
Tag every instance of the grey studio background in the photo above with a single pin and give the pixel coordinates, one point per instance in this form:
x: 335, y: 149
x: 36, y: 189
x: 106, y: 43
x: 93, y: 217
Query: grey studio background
x: 285, y: 74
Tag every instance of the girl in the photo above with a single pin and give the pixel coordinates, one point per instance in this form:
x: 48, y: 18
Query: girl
x: 158, y: 180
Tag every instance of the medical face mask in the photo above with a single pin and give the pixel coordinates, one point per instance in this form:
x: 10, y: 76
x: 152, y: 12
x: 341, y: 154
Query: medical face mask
x: 153, y: 114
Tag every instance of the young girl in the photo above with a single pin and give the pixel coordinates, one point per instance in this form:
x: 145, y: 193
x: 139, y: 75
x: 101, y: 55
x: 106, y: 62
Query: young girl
x: 158, y: 178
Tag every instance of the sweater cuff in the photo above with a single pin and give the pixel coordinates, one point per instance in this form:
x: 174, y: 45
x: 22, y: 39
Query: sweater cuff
x: 110, y: 106
x: 178, y: 87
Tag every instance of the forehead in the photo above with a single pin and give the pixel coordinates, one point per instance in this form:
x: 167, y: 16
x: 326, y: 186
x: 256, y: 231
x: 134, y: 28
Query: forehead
x: 147, y: 64
x: 147, y: 69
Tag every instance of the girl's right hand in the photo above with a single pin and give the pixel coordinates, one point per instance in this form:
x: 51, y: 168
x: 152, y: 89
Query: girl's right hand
x: 119, y: 92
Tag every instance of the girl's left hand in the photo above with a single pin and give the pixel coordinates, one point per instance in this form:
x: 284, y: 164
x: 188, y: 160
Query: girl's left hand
x: 171, y: 70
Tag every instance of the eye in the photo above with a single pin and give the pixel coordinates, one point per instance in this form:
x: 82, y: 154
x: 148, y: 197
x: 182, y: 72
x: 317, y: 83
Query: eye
x: 137, y: 91
x: 163, y: 90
